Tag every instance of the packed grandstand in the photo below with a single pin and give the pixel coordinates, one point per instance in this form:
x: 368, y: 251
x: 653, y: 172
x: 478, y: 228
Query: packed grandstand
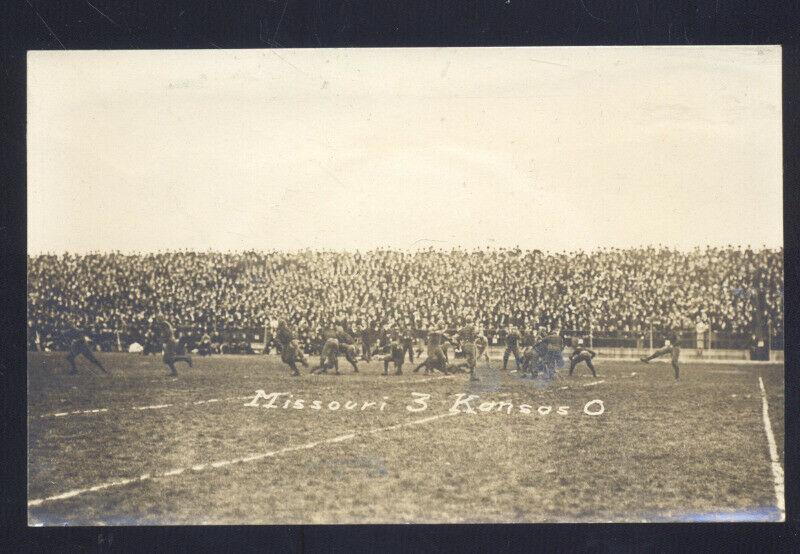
x: 114, y: 296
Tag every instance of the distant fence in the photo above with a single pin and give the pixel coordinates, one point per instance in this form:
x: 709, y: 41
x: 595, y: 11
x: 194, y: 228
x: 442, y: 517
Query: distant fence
x: 711, y: 340
x: 689, y: 338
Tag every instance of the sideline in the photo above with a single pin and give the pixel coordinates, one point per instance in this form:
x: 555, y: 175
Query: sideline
x: 777, y: 469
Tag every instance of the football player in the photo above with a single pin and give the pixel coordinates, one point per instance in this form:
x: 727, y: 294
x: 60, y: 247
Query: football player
x: 328, y: 357
x: 350, y: 351
x: 289, y: 346
x: 512, y: 347
x: 79, y: 345
x: 467, y: 336
x: 436, y: 357
x: 397, y: 355
x: 482, y: 344
x: 554, y: 348
x: 670, y: 347
x: 171, y: 350
x: 581, y: 354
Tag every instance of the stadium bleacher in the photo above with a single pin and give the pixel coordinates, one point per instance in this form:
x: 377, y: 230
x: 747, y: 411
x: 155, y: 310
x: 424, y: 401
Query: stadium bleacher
x: 616, y: 294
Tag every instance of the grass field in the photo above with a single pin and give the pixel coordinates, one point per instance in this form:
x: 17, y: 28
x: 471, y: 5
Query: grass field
x: 189, y: 450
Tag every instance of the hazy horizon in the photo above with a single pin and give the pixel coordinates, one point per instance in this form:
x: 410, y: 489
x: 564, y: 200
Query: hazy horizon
x: 555, y: 149
x: 400, y: 249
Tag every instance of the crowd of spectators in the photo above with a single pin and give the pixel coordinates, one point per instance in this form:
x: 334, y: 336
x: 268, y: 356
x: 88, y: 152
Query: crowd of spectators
x: 113, y: 296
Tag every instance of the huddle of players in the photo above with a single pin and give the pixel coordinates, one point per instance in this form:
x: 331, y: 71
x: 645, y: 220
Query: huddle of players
x: 541, y: 351
x: 338, y: 342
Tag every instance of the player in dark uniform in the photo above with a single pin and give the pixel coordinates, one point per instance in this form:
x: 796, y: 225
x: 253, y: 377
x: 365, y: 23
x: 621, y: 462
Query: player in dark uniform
x: 291, y: 354
x: 540, y: 348
x: 171, y: 350
x: 79, y: 345
x: 671, y: 347
x: 396, y: 355
x: 527, y: 342
x: 407, y: 340
x: 581, y: 354
x: 284, y: 333
x: 512, y: 347
x: 367, y: 342
x: 532, y: 353
x: 446, y: 344
x: 527, y: 361
x: 289, y: 347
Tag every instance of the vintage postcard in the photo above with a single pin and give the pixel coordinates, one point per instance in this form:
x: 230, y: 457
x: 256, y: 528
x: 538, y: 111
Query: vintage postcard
x: 423, y: 285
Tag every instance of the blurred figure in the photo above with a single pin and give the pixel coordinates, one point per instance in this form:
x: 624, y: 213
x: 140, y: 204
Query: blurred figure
x: 700, y: 329
x: 512, y: 347
x: 172, y: 355
x: 204, y: 347
x: 80, y: 345
x: 671, y: 347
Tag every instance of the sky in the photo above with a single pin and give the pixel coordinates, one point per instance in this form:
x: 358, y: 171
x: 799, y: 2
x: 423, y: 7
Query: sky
x: 549, y: 148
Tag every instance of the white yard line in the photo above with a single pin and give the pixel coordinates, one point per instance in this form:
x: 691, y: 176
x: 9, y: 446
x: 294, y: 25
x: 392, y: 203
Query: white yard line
x: 777, y: 469
x: 77, y: 492
x: 75, y: 412
x: 342, y: 438
x: 729, y: 371
x: 429, y: 379
x: 140, y: 408
x: 223, y: 463
x: 594, y: 383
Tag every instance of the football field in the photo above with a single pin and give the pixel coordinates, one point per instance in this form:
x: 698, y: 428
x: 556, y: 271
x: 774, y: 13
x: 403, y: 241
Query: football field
x: 140, y: 447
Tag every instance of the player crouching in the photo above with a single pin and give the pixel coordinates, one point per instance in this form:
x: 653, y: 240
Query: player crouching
x: 534, y: 355
x: 328, y: 357
x: 581, y: 354
x: 437, y: 359
x: 466, y: 338
x: 532, y: 362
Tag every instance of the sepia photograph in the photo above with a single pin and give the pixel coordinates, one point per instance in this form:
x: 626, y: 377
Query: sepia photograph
x: 405, y: 285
